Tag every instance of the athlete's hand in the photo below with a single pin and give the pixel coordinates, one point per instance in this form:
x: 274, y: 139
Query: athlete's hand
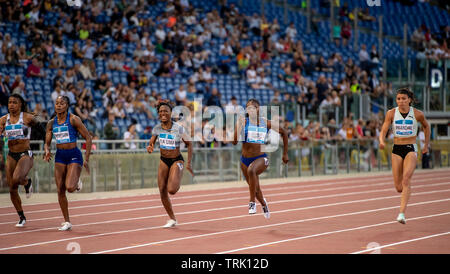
x: 189, y: 168
x: 86, y: 166
x: 382, y: 145
x: 425, y: 150
x: 47, y: 156
x: 150, y: 148
x: 285, y: 158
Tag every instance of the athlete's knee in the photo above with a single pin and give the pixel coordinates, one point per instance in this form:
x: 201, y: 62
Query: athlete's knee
x: 16, y: 180
x: 406, y: 183
x: 172, y: 191
x: 251, y: 171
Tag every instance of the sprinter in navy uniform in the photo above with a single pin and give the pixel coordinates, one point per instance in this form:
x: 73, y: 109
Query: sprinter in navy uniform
x: 68, y: 159
x: 404, y: 120
x: 253, y: 160
x: 16, y: 125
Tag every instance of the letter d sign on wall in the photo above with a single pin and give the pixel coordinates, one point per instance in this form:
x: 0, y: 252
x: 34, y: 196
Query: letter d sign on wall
x: 372, y: 3
x: 436, y: 78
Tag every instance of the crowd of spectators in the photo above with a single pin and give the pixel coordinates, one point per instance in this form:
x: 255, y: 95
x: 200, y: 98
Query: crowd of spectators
x: 180, y: 34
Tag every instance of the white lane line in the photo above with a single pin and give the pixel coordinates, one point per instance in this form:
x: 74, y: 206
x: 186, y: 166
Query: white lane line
x: 402, y: 242
x: 329, y: 233
x: 223, y: 208
x: 208, y: 201
x: 210, y: 220
x: 277, y: 224
x: 268, y: 188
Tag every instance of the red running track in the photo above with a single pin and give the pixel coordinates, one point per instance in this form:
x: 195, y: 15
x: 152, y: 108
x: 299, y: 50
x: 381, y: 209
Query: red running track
x: 345, y: 215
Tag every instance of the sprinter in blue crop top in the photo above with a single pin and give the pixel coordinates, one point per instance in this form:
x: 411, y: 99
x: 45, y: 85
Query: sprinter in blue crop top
x: 68, y: 159
x: 16, y: 126
x: 253, y: 160
x: 404, y: 119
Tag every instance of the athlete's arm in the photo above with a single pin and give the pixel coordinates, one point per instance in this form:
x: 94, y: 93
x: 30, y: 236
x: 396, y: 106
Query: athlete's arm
x: 81, y: 128
x: 284, y: 134
x: 237, y: 129
x: 385, y: 127
x: 2, y: 124
x: 48, y: 140
x: 426, y: 128
x: 151, y: 143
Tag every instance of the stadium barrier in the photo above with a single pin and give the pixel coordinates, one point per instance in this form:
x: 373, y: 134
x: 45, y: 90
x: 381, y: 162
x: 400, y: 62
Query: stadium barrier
x: 121, y: 169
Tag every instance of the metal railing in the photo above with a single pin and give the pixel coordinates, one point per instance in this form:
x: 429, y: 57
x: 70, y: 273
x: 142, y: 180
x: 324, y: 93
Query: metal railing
x: 121, y: 169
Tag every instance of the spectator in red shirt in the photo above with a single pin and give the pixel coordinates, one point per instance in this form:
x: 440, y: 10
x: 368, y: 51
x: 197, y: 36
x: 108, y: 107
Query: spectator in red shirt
x: 34, y: 69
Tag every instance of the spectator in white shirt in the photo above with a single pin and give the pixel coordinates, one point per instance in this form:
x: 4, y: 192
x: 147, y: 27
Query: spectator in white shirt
x: 130, y: 135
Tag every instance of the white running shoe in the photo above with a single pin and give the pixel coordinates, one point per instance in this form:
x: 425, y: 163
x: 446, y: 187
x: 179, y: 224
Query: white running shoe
x: 251, y: 208
x: 401, y: 218
x: 79, y: 186
x: 170, y: 223
x: 21, y: 223
x: 266, y: 209
x: 65, y: 226
x: 28, y: 189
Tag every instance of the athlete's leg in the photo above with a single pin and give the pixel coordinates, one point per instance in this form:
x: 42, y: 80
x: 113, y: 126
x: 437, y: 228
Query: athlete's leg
x: 253, y: 171
x: 175, y: 175
x: 13, y: 188
x: 409, y: 165
x: 163, y: 175
x: 397, y: 171
x: 72, y: 176
x: 60, y: 178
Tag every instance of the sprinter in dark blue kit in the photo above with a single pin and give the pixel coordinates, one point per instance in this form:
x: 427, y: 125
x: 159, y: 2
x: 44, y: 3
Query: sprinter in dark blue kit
x: 68, y: 159
x: 253, y: 160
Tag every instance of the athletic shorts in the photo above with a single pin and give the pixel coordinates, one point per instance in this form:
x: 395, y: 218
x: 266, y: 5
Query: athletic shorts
x: 69, y: 156
x: 248, y: 161
x: 403, y: 150
x: 17, y: 155
x: 169, y: 161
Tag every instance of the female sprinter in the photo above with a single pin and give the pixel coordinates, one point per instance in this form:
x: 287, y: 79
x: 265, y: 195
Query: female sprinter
x: 17, y: 127
x: 253, y: 160
x: 68, y: 159
x: 170, y: 168
x: 404, y: 119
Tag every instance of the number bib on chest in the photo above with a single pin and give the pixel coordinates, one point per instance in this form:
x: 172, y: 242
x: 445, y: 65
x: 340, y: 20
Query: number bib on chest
x: 61, y: 134
x: 404, y: 128
x: 167, y: 141
x: 256, y: 135
x: 14, y: 132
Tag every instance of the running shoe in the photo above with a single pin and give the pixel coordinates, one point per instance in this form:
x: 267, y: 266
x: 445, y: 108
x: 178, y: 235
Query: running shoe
x: 251, y: 208
x: 401, y: 218
x: 65, y: 226
x: 79, y: 186
x: 170, y: 223
x: 266, y: 210
x: 28, y: 189
x: 21, y: 222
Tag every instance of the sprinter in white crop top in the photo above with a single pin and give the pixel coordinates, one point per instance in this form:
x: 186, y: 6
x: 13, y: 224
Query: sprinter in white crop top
x: 404, y: 120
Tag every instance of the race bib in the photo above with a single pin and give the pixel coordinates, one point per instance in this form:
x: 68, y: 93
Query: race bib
x: 61, y: 134
x: 404, y: 127
x: 13, y: 132
x: 256, y: 135
x: 167, y: 141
